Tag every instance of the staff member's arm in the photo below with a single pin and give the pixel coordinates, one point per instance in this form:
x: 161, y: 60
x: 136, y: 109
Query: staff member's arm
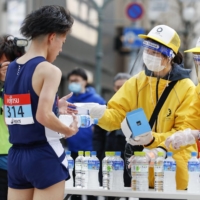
x: 45, y: 82
x: 123, y: 101
x: 188, y: 137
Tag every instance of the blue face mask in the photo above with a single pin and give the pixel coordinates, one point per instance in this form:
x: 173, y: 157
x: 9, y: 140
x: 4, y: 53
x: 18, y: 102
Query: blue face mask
x: 75, y: 87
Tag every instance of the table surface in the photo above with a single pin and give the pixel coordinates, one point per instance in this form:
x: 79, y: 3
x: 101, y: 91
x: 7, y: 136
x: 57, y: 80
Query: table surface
x: 128, y: 192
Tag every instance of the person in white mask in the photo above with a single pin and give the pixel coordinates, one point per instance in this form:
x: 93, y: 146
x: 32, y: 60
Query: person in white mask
x: 162, y: 64
x: 181, y: 139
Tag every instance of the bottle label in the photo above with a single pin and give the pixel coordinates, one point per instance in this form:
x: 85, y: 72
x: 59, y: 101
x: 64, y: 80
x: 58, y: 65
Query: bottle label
x: 77, y: 166
x: 85, y: 166
x: 84, y: 121
x: 109, y: 168
x: 158, y: 167
x: 142, y: 168
x: 193, y: 166
x: 93, y: 165
x: 118, y: 165
x: 70, y: 164
x: 133, y: 168
x: 105, y: 167
x: 169, y: 166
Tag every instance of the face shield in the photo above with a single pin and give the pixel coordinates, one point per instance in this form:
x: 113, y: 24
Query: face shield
x: 196, y: 58
x: 154, y: 56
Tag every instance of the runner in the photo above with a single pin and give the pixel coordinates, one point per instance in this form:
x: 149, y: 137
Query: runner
x: 37, y: 167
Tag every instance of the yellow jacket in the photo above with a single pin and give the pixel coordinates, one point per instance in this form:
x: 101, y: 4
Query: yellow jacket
x: 193, y: 115
x: 140, y: 92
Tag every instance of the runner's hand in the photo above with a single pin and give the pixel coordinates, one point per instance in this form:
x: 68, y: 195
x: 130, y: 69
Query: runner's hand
x: 65, y: 107
x: 73, y: 126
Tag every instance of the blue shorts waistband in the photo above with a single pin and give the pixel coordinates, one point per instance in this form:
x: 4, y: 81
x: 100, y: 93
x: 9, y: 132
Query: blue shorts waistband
x: 30, y: 145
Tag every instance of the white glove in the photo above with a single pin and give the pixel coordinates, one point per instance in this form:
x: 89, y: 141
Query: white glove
x: 97, y: 111
x: 141, y: 140
x: 151, y: 156
x: 181, y: 138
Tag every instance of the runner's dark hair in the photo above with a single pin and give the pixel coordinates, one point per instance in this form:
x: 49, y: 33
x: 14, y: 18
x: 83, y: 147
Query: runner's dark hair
x: 45, y: 20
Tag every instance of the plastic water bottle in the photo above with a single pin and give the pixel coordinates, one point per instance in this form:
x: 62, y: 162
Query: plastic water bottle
x: 105, y: 171
x: 193, y: 170
x: 78, y: 168
x: 142, y: 173
x: 118, y: 172
x: 110, y: 169
x: 169, y: 173
x: 70, y: 182
x: 133, y: 171
x: 84, y: 170
x: 93, y: 171
x: 84, y: 121
x: 159, y: 172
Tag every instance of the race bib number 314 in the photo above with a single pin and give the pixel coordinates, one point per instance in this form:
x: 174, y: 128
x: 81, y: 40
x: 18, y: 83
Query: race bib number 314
x: 17, y: 109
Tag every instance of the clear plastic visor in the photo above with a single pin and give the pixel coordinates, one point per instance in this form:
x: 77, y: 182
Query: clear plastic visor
x: 196, y: 58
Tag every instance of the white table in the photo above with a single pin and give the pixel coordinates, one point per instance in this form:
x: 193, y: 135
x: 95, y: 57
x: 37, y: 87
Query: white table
x: 127, y: 192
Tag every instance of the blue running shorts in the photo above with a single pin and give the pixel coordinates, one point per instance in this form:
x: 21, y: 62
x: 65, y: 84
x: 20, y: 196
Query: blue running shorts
x: 37, y: 165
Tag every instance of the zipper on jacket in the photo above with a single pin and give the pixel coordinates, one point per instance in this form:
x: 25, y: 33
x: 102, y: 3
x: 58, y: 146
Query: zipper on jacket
x: 156, y: 122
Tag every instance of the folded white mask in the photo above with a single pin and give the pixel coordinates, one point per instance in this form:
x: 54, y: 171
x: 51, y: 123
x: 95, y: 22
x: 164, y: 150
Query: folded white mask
x: 153, y: 63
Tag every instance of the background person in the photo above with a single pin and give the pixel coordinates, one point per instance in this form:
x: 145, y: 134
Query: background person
x: 115, y: 140
x: 9, y: 51
x: 82, y: 93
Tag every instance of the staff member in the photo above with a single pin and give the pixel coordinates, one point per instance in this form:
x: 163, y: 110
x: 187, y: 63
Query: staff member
x: 163, y: 65
x: 192, y: 123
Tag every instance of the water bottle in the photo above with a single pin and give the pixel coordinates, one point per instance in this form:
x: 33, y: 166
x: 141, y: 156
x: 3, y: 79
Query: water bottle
x: 93, y: 171
x: 78, y: 168
x: 193, y: 170
x: 118, y: 172
x: 70, y: 182
x: 110, y: 169
x: 142, y: 173
x: 133, y: 171
x: 169, y: 166
x: 84, y: 170
x: 105, y: 171
x: 84, y: 121
x: 159, y: 172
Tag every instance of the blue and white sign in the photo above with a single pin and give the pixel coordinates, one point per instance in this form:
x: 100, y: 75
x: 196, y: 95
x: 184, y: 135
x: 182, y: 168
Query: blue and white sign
x: 131, y: 39
x: 134, y: 11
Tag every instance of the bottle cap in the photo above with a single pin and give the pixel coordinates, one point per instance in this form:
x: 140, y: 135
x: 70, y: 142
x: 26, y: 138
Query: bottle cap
x: 112, y: 153
x: 136, y: 153
x: 169, y: 153
x: 95, y: 121
x: 87, y: 153
x: 118, y: 153
x: 93, y: 153
x: 80, y: 153
x: 160, y: 154
x: 194, y: 154
x: 142, y: 153
x: 107, y: 153
x: 68, y: 152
